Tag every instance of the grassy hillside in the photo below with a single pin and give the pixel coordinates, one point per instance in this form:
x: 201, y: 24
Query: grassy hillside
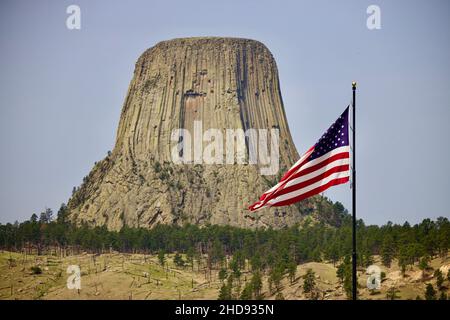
x: 139, y: 276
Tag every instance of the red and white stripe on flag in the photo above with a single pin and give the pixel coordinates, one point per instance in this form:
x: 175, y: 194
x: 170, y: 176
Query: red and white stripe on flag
x: 325, y: 164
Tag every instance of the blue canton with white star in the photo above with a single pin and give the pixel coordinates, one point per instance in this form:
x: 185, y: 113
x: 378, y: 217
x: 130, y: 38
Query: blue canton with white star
x: 336, y: 136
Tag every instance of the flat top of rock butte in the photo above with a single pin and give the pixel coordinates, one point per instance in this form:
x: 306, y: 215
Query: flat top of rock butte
x: 208, y: 39
x: 205, y: 41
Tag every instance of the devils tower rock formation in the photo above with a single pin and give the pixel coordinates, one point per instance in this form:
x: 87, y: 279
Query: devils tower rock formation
x: 223, y: 83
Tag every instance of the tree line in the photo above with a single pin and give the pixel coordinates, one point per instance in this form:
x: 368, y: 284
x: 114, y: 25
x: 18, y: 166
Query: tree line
x: 314, y: 241
x: 230, y: 250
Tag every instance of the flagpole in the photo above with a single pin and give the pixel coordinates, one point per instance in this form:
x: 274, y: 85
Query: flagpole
x: 354, y: 279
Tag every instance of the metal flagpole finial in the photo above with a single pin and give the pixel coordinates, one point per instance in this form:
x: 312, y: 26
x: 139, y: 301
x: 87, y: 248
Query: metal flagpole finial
x: 354, y: 84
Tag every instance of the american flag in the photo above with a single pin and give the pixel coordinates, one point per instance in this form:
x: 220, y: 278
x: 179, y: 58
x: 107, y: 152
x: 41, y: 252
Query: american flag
x: 324, y: 165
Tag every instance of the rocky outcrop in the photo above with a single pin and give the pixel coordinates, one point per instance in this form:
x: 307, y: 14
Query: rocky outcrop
x: 226, y: 83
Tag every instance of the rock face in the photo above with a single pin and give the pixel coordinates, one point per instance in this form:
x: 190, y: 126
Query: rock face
x: 226, y: 83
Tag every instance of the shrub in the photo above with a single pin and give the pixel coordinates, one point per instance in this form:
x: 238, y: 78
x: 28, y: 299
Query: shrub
x: 36, y: 270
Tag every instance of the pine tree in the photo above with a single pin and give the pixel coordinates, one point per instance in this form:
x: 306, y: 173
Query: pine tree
x: 275, y: 276
x: 255, y: 261
x: 247, y: 292
x: 403, y: 269
x: 348, y: 285
x: 387, y: 251
x: 332, y: 253
x: 256, y: 283
x: 225, y: 292
x: 216, y: 253
x: 439, y: 279
x: 309, y: 282
x: 234, y: 266
x: 62, y: 214
x: 423, y: 265
x: 190, y: 256
x: 178, y: 260
x: 292, y: 269
x: 222, y: 274
x: 34, y: 218
x: 340, y: 272
x: 161, y: 257
x: 430, y: 293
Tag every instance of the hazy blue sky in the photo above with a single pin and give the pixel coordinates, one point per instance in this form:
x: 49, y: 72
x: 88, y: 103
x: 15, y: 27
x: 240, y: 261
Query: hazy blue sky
x: 61, y: 91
